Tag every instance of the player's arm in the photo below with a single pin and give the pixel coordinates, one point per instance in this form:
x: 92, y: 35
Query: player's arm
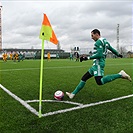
x: 96, y: 55
x: 114, y: 51
x: 83, y: 58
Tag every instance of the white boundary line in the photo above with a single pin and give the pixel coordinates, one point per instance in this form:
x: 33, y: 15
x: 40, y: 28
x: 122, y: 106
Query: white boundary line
x: 66, y: 67
x: 80, y: 106
x: 86, y: 105
x: 46, y: 68
x: 20, y: 100
x: 68, y: 102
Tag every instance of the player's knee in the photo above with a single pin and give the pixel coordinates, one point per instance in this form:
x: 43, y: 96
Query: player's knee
x: 83, y: 79
x: 86, y: 76
x: 98, y: 80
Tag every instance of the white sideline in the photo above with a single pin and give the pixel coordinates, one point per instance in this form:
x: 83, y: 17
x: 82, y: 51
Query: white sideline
x: 20, y: 100
x: 80, y: 106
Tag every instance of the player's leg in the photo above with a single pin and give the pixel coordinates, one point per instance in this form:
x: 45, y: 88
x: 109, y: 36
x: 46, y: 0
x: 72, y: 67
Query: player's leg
x: 99, y: 75
x: 105, y: 79
x: 19, y: 58
x: 81, y: 84
x: 124, y: 75
x: 5, y: 59
x: 110, y: 78
x: 100, y: 80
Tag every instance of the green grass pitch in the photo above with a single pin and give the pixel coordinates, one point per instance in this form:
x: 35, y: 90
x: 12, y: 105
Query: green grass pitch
x: 22, y: 79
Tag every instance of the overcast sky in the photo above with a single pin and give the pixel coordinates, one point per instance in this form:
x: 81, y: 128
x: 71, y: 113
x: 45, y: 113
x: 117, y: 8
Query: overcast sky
x: 72, y: 22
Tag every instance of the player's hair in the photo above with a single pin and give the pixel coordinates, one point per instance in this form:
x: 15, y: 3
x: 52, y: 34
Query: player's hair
x: 96, y: 31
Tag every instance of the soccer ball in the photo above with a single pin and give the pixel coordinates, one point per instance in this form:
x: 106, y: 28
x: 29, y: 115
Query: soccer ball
x: 59, y: 95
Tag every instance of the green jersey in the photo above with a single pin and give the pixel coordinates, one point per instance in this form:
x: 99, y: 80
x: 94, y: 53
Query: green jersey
x: 100, y: 51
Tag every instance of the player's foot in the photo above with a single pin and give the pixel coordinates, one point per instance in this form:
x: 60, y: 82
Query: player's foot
x: 125, y: 75
x: 70, y: 95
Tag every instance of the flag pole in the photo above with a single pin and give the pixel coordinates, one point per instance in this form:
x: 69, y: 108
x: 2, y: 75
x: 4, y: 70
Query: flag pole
x: 41, y: 78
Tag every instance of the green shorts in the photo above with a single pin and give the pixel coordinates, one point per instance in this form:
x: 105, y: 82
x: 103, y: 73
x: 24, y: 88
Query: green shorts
x: 96, y: 70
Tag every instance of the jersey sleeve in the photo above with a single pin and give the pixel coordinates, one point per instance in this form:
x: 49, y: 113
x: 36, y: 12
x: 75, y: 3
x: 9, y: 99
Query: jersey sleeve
x: 112, y: 49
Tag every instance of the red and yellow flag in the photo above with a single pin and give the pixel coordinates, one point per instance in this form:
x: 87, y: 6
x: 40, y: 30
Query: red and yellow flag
x: 47, y: 32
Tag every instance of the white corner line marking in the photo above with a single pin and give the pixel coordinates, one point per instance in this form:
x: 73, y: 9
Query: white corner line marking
x: 80, y: 106
x: 56, y: 101
x: 19, y: 100
x: 86, y: 105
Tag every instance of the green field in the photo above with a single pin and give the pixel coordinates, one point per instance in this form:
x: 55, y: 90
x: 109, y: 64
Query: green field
x: 22, y: 79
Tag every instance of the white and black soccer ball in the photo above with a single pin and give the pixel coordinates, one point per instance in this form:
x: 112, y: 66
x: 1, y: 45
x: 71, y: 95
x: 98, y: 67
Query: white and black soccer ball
x: 59, y: 95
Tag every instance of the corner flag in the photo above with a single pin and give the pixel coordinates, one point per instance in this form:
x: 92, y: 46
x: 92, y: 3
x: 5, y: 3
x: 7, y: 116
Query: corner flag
x: 48, y: 34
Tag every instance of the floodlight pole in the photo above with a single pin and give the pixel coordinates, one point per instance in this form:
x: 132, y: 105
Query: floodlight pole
x: 118, y: 49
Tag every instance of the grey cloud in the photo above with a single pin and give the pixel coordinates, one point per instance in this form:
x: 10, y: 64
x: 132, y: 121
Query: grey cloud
x: 71, y: 21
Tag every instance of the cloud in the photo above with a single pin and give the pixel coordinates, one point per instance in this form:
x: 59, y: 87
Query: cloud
x: 71, y: 21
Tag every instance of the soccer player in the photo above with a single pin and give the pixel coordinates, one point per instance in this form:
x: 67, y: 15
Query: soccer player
x: 97, y: 70
x: 71, y: 56
x: 57, y: 56
x: 35, y: 55
x: 5, y: 57
x: 15, y: 56
x: 20, y: 56
x: 11, y: 56
x: 48, y: 56
x: 77, y: 56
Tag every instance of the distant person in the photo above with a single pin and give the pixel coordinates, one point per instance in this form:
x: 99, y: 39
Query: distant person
x: 97, y: 70
x: 48, y: 56
x: 21, y: 56
x: 57, y: 56
x: 15, y: 56
x: 11, y: 56
x: 4, y: 57
x: 35, y: 55
x: 76, y: 56
x: 71, y: 56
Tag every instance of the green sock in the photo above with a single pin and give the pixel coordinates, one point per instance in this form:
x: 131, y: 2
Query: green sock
x: 79, y: 87
x: 110, y: 78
